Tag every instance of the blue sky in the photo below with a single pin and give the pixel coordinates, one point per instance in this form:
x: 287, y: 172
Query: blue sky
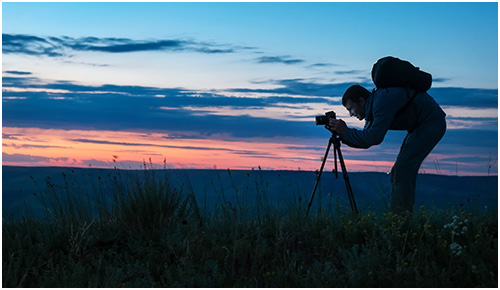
x: 244, y: 80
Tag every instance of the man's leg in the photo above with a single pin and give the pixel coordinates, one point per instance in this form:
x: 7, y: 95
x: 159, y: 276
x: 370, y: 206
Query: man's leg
x: 416, y: 146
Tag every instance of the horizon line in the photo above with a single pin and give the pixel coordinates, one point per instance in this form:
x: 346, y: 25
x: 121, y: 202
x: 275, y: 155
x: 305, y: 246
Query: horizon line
x: 257, y: 168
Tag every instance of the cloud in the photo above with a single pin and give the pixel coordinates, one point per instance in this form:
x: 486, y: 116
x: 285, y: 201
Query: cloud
x: 11, y: 136
x: 63, y: 46
x: 243, y: 151
x: 111, y: 110
x: 478, y: 138
x: 14, y: 72
x: 152, y: 145
x: 28, y: 44
x: 31, y: 146
x: 282, y: 111
x: 476, y: 98
x: 440, y: 80
x: 279, y: 59
x: 471, y: 112
x: 349, y: 72
x: 119, y: 46
x: 23, y: 158
x: 301, y: 87
x: 322, y: 65
x: 86, y: 63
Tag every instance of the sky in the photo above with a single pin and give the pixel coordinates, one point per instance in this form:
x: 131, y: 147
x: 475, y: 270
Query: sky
x: 235, y: 85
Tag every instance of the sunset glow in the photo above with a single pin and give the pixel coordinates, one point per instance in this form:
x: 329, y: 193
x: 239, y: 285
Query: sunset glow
x: 130, y: 150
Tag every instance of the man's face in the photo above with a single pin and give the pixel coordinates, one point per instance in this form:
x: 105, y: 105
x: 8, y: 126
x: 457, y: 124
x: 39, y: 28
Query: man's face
x: 356, y: 109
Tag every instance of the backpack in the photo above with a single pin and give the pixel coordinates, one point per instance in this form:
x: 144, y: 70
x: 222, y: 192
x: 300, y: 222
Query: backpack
x: 393, y: 72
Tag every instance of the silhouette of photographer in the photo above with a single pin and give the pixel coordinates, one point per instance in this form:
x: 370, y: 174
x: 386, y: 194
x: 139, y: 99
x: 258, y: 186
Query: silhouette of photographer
x: 389, y: 109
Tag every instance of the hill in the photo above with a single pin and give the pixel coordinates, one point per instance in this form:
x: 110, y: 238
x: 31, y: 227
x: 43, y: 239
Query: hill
x: 23, y: 186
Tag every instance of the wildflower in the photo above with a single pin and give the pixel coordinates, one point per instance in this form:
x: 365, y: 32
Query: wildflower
x: 456, y: 249
x: 457, y: 227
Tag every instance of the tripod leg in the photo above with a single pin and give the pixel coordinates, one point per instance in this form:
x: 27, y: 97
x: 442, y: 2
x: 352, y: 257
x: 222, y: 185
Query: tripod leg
x: 335, y: 160
x: 318, y: 177
x: 346, y: 179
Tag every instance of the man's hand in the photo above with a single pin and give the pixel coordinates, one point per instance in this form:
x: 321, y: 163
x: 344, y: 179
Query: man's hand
x: 338, y: 125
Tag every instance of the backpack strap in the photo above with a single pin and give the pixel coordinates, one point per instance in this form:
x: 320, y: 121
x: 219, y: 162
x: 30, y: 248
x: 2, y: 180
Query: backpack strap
x: 410, y: 101
x: 372, y: 96
x: 407, y: 105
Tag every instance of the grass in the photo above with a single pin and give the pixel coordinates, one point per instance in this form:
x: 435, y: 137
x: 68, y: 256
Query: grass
x: 150, y: 234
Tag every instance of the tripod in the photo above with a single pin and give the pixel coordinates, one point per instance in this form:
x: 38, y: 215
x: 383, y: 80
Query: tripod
x: 335, y: 140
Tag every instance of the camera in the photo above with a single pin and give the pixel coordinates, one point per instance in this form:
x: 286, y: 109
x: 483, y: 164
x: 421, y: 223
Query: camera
x: 323, y: 119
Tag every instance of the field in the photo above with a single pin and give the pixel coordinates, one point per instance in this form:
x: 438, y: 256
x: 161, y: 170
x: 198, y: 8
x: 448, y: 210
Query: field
x: 146, y: 232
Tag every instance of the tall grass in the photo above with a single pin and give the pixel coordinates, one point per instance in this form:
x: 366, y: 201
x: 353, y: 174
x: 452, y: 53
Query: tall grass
x: 151, y: 234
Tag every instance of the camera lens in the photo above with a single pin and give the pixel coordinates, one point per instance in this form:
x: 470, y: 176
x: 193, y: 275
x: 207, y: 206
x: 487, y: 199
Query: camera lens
x: 321, y: 120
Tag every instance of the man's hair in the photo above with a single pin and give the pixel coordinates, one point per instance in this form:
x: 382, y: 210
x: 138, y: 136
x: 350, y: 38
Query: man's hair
x: 355, y: 92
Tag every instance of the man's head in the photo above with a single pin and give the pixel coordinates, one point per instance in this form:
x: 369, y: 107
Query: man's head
x: 354, y: 100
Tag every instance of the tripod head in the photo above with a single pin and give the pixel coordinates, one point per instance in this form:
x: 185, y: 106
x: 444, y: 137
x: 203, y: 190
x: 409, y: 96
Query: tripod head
x: 335, y: 136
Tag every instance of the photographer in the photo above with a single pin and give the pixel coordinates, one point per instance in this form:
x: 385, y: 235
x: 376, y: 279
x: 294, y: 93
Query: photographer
x: 390, y: 109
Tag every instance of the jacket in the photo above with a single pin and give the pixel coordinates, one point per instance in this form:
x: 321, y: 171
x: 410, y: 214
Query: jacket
x: 382, y: 113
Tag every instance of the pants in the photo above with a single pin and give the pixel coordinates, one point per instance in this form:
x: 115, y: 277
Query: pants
x: 416, y: 146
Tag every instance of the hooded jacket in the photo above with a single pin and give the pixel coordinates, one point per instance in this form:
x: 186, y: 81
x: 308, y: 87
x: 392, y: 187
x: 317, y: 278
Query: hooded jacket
x: 384, y: 111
